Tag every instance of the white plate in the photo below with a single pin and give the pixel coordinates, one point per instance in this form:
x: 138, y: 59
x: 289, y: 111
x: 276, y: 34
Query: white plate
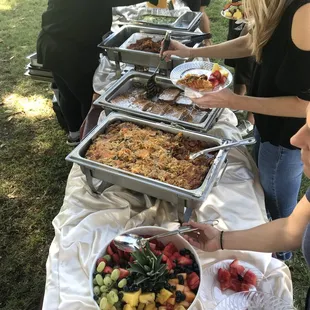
x: 253, y: 300
x: 238, y: 21
x: 211, y: 291
x: 197, y: 67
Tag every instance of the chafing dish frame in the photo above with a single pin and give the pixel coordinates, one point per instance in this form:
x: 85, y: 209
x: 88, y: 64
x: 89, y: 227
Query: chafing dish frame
x: 104, y: 102
x: 110, y: 175
x: 112, y: 43
x: 193, y: 19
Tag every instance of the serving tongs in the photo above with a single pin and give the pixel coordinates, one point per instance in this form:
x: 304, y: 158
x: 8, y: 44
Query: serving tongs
x: 133, y: 242
x: 192, y: 39
x: 230, y: 145
x: 151, y: 86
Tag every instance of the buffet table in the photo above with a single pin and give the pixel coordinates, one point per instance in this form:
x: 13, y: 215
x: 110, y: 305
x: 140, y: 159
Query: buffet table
x: 87, y: 221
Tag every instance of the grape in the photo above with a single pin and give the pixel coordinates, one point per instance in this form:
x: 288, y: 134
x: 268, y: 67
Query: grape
x: 95, y: 282
x: 97, y: 290
x: 115, y: 274
x: 104, y: 294
x: 104, y: 303
x: 99, y: 279
x: 107, y: 258
x: 122, y: 283
x: 100, y: 267
x: 104, y: 289
x: 107, y: 281
x: 112, y: 298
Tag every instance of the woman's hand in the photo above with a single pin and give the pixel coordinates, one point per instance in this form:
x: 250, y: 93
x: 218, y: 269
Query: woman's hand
x: 178, y: 49
x: 221, y: 99
x: 207, y: 238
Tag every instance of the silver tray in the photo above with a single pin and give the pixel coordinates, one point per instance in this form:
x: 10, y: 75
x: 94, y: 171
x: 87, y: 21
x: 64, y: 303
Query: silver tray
x: 186, y: 20
x: 38, y: 73
x: 125, y: 83
x: 140, y: 183
x: 112, y: 45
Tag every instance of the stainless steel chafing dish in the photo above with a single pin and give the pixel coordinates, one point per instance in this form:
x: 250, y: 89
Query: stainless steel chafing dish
x: 116, y: 52
x: 154, y: 188
x: 132, y: 77
x: 185, y: 20
x: 36, y: 71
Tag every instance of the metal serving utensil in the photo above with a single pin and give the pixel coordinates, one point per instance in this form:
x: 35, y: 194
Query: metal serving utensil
x: 151, y: 86
x: 132, y: 242
x: 230, y: 145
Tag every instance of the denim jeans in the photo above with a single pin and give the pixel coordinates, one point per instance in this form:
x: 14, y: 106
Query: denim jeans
x: 280, y: 171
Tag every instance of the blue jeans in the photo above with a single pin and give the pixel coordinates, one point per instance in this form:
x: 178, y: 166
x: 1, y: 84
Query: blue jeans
x: 280, y: 171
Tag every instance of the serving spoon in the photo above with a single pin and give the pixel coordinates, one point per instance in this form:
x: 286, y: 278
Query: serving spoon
x: 132, y: 242
x: 248, y: 141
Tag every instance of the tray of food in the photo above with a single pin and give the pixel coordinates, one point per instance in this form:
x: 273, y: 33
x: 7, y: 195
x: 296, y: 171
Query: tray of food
x: 150, y: 158
x: 140, y: 46
x: 128, y: 95
x: 234, y: 11
x: 177, y: 19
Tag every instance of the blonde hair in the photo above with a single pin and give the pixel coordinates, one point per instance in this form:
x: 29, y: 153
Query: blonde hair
x: 263, y: 18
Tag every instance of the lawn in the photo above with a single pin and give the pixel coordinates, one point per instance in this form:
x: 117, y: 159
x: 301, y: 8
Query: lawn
x: 32, y: 166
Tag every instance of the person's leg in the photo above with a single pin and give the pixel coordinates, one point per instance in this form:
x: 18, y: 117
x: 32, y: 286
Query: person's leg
x: 69, y: 104
x: 280, y: 171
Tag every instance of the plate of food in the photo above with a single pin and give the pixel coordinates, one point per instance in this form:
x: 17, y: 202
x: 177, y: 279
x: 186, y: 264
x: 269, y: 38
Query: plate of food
x: 233, y: 10
x: 165, y: 274
x: 228, y: 277
x: 200, y: 77
x: 253, y: 301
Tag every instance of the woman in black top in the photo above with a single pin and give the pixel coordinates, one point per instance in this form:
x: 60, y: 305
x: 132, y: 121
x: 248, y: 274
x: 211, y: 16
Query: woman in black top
x: 67, y: 45
x: 280, y: 91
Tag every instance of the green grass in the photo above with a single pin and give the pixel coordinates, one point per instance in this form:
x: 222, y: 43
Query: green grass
x: 33, y: 171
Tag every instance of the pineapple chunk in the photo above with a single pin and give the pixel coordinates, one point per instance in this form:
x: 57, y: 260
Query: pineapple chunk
x: 180, y: 288
x: 141, y: 307
x: 147, y: 298
x: 173, y: 282
x: 179, y: 307
x: 228, y: 14
x: 171, y: 301
x: 162, y: 308
x: 163, y: 296
x: 237, y: 15
x: 224, y: 72
x: 151, y: 306
x: 132, y: 298
x: 128, y: 307
x: 216, y: 67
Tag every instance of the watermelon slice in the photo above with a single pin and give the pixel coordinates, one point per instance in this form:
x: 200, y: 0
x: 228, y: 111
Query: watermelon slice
x: 170, y: 249
x: 250, y: 278
x: 193, y: 280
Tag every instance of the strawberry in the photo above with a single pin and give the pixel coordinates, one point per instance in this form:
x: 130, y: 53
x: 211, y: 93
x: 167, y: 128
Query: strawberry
x: 193, y: 280
x: 223, y: 79
x: 120, y: 253
x: 184, y: 261
x: 169, y: 264
x: 164, y: 258
x: 110, y: 251
x: 170, y: 249
x: 108, y: 269
x: 124, y: 273
x: 116, y: 259
x: 175, y: 255
x: 152, y: 246
x: 250, y: 278
x: 217, y: 74
x: 131, y: 259
x: 101, y: 259
x: 113, y: 246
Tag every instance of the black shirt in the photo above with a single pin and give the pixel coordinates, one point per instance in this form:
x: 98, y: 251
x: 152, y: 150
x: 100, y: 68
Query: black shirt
x: 72, y: 29
x: 284, y: 71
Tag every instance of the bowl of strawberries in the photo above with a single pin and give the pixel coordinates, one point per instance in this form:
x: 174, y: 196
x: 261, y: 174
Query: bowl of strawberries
x: 164, y: 275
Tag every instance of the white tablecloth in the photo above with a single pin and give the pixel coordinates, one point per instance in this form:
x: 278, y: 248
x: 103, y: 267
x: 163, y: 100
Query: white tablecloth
x: 86, y: 222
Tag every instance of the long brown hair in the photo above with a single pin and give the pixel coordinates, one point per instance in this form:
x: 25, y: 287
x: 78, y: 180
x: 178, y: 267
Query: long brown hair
x: 263, y: 16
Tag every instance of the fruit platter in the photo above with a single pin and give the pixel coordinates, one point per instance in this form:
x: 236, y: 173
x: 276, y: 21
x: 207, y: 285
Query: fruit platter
x: 233, y: 10
x: 164, y: 275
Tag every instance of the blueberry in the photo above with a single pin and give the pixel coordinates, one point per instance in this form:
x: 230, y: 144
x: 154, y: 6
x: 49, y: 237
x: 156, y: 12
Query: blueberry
x: 181, y: 280
x: 173, y: 288
x: 178, y: 294
x: 195, y: 265
x: 183, y: 252
x: 158, y: 304
x: 126, y: 288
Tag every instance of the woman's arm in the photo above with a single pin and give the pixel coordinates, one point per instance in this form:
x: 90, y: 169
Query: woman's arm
x: 280, y: 235
x: 237, y: 48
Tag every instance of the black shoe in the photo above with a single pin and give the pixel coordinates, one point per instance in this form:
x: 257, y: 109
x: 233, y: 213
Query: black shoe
x: 73, y: 142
